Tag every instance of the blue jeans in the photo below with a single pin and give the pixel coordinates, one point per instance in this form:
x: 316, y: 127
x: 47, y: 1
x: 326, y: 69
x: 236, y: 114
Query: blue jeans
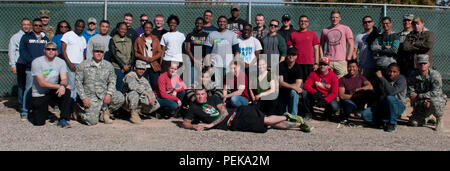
x: 237, y: 101
x: 388, y: 111
x: 71, y: 79
x: 288, y: 101
x: 27, y: 94
x: 169, y: 106
x: 349, y: 106
x: 152, y: 78
x: 21, y: 81
x: 119, y: 81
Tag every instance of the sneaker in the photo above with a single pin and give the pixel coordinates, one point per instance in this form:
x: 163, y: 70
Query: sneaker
x: 64, y: 124
x: 294, y: 118
x: 390, y: 128
x: 23, y: 117
x: 413, y: 123
x: 307, y: 117
x: 306, y: 128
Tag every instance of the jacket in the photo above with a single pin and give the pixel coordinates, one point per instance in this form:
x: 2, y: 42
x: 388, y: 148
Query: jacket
x: 330, y: 93
x: 140, y: 49
x: 122, y: 52
x: 419, y: 43
x: 30, y: 48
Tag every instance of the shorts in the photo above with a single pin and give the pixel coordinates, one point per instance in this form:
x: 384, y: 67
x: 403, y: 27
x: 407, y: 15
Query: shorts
x: 248, y: 119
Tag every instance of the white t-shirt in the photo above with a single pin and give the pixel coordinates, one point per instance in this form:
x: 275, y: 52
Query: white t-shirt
x: 148, y: 52
x: 248, y: 48
x: 174, y: 43
x: 75, y: 46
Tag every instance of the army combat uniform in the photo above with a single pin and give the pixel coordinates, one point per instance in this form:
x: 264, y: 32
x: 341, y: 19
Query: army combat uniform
x: 135, y: 90
x: 93, y: 81
x: 427, y: 87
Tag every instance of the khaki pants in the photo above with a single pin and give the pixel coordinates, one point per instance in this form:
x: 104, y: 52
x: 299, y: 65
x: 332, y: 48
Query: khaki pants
x: 339, y: 68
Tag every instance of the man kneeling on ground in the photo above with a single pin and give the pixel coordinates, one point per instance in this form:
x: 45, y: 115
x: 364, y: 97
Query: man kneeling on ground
x: 95, y: 82
x: 209, y: 112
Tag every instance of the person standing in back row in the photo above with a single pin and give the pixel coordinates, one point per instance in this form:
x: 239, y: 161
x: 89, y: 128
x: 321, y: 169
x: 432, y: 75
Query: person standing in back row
x: 338, y: 38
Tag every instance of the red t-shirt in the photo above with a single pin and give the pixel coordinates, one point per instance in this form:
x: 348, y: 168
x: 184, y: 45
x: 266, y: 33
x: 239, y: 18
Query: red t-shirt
x: 237, y: 81
x: 304, y: 43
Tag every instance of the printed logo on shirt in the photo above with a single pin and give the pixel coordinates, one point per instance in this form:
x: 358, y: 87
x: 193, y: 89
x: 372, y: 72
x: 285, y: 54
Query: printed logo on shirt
x: 246, y: 54
x: 46, y: 72
x: 218, y: 40
x: 334, y: 37
x: 210, y: 110
x: 37, y: 41
x: 198, y: 40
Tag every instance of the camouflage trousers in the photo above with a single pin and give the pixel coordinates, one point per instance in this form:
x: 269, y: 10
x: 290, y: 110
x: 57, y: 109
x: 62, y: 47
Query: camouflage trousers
x: 135, y: 101
x: 420, y: 112
x: 91, y: 115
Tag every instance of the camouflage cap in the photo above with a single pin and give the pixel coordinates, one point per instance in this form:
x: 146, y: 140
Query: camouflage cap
x: 44, y: 13
x: 98, y: 47
x: 422, y: 58
x: 140, y: 64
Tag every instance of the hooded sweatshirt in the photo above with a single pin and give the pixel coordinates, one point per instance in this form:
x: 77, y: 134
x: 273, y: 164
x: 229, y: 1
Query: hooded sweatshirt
x: 329, y: 84
x: 286, y: 33
x: 31, y: 47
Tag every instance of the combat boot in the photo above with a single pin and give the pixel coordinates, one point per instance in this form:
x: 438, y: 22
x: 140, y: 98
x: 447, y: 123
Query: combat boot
x: 439, y: 124
x: 135, y: 118
x: 105, y: 116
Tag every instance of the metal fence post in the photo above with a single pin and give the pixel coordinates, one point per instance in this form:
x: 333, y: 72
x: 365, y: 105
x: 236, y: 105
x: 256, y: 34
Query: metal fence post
x: 249, y: 11
x: 105, y: 14
x: 384, y: 10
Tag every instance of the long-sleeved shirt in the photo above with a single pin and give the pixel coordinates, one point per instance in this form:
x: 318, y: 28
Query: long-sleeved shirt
x: 13, y: 48
x: 428, y: 86
x: 273, y: 45
x: 166, y: 86
x: 95, y: 80
x: 419, y: 43
x: 327, y: 85
x: 31, y: 47
x: 396, y: 88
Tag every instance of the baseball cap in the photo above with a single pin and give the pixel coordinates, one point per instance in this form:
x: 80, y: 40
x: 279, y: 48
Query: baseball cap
x: 292, y: 51
x: 324, y: 60
x: 285, y: 17
x: 408, y: 17
x: 92, y: 20
x: 44, y: 13
x: 140, y: 64
x: 422, y: 58
x: 235, y: 7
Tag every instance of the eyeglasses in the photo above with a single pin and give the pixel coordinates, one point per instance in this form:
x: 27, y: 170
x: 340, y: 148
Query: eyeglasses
x: 273, y: 25
x: 36, y: 25
x: 51, y: 49
x: 367, y: 22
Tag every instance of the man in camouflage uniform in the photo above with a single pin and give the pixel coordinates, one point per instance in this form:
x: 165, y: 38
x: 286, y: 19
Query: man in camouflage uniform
x: 425, y: 92
x: 139, y: 95
x: 95, y: 82
x: 49, y: 31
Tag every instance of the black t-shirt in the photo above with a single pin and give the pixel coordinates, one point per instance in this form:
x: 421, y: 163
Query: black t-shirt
x: 290, y: 75
x: 159, y: 33
x: 197, y: 39
x: 236, y: 26
x: 207, y: 113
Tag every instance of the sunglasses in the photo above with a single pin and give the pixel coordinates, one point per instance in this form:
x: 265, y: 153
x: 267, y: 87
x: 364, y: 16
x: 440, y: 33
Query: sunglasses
x: 323, y: 64
x: 36, y: 25
x: 144, y: 20
x: 273, y: 25
x: 51, y: 49
x: 367, y: 22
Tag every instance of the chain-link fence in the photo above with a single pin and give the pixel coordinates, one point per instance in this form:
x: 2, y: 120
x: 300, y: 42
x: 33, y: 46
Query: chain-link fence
x: 435, y: 18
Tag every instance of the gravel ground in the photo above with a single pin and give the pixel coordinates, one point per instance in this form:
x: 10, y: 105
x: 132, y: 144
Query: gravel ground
x: 166, y: 135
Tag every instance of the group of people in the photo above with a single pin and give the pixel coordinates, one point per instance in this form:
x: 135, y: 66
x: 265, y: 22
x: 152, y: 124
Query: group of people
x: 233, y: 76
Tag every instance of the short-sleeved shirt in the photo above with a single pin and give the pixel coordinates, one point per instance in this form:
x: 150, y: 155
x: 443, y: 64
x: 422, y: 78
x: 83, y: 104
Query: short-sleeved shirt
x: 197, y: 40
x: 248, y: 48
x: 206, y: 113
x: 352, y: 83
x: 159, y: 33
x: 75, y: 46
x: 366, y: 56
x: 304, y: 43
x: 49, y: 70
x: 209, y: 29
x: 222, y: 47
x: 336, y: 39
x: 174, y: 44
x: 238, y: 81
x: 290, y: 75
